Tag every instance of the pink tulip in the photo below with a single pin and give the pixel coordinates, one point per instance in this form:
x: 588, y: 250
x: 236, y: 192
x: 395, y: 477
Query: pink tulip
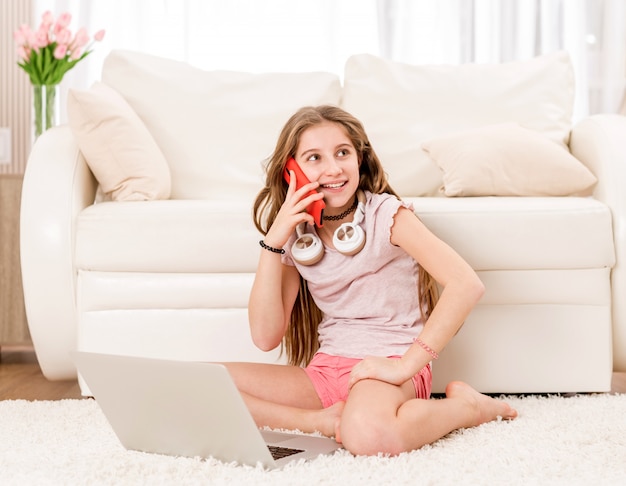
x: 75, y: 54
x: 64, y: 19
x: 41, y: 40
x: 23, y: 53
x: 47, y: 18
x: 60, y: 51
x: 31, y: 39
x: 22, y: 35
x: 42, y: 37
x: 81, y: 38
x: 64, y: 36
x: 98, y: 36
x: 19, y: 37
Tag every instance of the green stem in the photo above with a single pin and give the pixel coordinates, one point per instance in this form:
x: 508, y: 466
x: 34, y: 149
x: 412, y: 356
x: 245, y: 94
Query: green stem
x: 44, y: 98
x: 37, y: 101
x: 50, y: 101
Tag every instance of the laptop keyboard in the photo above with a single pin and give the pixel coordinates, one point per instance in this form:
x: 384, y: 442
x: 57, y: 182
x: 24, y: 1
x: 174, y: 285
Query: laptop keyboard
x: 280, y: 452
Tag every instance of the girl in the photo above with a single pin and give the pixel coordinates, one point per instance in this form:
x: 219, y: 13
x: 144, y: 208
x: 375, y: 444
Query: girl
x: 360, y: 328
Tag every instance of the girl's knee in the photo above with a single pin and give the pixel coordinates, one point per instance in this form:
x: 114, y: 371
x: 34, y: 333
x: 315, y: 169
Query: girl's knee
x: 366, y: 435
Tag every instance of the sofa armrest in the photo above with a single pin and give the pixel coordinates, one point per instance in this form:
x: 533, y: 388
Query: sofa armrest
x: 599, y: 142
x: 57, y: 186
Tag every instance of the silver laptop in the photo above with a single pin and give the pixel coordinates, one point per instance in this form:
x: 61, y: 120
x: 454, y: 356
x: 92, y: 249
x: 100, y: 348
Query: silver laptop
x: 187, y: 409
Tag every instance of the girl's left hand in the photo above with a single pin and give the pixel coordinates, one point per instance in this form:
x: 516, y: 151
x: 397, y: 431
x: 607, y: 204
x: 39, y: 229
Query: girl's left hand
x: 390, y: 370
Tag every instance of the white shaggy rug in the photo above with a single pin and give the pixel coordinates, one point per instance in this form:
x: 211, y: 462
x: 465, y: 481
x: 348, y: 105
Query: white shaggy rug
x: 574, y: 441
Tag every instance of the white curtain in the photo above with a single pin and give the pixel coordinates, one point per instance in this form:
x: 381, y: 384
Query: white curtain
x: 459, y: 31
x: 240, y: 35
x: 309, y: 35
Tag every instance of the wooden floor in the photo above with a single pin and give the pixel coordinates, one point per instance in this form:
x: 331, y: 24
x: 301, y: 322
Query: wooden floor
x: 21, y: 378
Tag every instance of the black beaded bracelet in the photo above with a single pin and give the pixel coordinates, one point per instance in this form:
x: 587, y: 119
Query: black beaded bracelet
x: 271, y: 248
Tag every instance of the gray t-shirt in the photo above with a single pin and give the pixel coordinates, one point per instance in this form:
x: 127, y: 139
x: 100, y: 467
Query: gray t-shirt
x: 369, y: 300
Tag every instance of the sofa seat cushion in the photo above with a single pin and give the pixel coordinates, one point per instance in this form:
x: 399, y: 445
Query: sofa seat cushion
x: 198, y: 236
x: 192, y: 236
x: 523, y: 233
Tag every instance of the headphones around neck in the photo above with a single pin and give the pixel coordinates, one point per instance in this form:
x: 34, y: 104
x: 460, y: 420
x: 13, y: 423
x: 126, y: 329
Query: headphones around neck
x: 348, y: 239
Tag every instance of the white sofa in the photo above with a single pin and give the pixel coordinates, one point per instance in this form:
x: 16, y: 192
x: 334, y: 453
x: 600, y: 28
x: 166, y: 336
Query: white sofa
x: 159, y: 263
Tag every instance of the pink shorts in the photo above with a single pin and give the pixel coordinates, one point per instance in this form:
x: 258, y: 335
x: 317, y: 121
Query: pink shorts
x: 330, y: 375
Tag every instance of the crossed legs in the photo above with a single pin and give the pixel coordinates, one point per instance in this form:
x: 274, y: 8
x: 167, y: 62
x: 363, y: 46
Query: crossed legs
x: 281, y: 396
x: 379, y: 417
x: 376, y: 418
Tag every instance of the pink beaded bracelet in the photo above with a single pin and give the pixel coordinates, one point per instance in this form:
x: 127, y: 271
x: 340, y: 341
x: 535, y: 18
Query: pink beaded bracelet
x: 427, y: 348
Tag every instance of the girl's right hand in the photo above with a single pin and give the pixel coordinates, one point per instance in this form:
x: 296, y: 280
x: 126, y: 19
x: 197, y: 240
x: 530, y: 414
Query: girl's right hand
x: 292, y: 212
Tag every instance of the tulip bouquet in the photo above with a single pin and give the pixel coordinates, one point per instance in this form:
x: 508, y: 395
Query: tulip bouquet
x: 46, y: 54
x: 49, y: 52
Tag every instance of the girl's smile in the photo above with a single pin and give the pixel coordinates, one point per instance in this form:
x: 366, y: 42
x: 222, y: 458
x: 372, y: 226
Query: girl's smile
x: 326, y: 154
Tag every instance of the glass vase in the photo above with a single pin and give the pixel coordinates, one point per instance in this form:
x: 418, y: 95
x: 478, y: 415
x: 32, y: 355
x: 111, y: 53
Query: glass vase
x: 46, y: 106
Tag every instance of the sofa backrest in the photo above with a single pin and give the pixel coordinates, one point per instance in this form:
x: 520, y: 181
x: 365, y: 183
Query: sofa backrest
x: 403, y: 106
x: 215, y: 128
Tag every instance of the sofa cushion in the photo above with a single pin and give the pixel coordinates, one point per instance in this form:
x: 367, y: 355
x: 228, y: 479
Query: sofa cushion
x: 507, y: 160
x: 215, y: 128
x: 403, y: 105
x: 199, y: 236
x: 528, y: 233
x: 117, y: 146
x: 193, y: 236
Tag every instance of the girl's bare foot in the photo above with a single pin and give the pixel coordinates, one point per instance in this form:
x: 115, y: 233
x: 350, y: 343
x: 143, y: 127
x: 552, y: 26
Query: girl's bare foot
x: 329, y: 419
x: 485, y: 408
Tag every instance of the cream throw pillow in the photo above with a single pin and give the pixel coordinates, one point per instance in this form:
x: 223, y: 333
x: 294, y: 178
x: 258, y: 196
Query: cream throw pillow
x: 507, y: 160
x: 118, y: 148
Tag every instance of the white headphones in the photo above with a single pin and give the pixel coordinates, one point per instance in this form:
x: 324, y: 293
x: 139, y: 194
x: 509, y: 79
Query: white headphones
x: 348, y: 239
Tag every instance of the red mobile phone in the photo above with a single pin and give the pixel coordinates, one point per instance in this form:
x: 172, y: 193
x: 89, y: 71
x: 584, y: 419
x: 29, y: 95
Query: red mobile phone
x: 316, y: 209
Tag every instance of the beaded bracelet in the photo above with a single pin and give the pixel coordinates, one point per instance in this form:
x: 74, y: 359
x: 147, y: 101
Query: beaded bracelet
x: 271, y: 248
x: 427, y: 348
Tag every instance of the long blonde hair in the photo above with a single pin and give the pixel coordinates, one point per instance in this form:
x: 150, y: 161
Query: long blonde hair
x: 301, y: 340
